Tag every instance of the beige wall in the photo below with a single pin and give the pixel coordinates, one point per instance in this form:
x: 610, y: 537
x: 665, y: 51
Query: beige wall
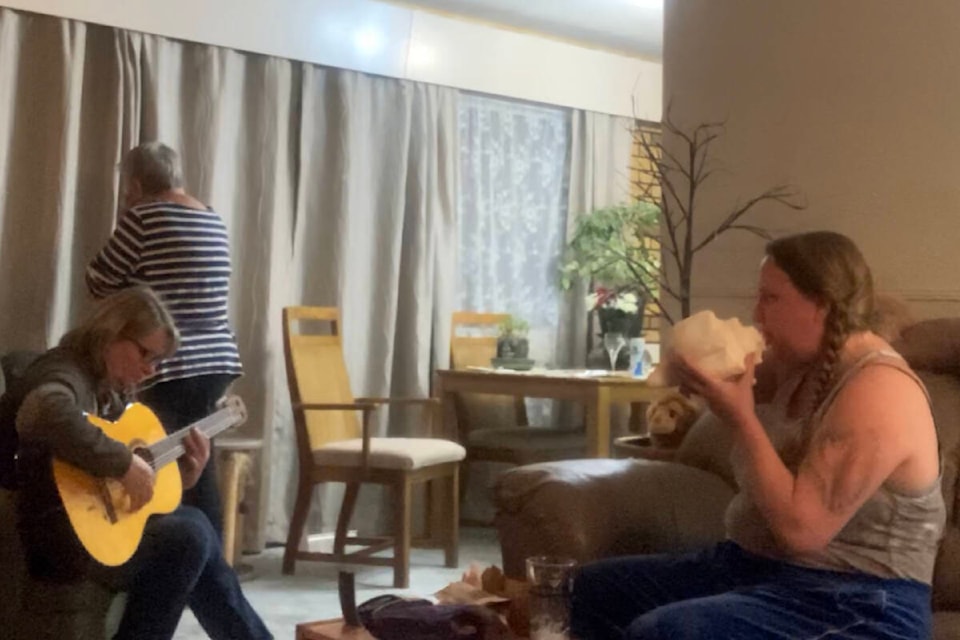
x: 857, y: 102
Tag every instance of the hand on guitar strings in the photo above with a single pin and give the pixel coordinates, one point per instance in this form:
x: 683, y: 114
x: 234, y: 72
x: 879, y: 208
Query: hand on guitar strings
x: 194, y: 459
x: 138, y: 482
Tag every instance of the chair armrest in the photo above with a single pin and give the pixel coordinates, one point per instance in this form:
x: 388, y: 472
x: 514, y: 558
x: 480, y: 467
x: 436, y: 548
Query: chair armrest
x: 366, y: 407
x: 432, y: 406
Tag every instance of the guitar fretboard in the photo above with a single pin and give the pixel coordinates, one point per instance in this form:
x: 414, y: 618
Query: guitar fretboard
x: 165, y: 451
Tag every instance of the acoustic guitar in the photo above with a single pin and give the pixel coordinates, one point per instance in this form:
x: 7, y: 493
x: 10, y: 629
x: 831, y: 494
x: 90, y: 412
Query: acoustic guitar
x: 98, y: 508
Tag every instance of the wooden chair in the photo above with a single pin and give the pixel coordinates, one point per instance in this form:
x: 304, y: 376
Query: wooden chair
x: 332, y: 446
x: 495, y: 428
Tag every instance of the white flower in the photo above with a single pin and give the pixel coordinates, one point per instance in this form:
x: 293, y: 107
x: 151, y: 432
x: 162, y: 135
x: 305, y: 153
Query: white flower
x: 591, y: 300
x: 627, y: 303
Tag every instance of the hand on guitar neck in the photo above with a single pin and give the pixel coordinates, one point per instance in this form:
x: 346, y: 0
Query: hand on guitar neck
x: 194, y: 459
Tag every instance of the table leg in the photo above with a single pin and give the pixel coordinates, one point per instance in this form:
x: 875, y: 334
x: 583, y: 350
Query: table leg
x: 451, y: 425
x: 598, y: 424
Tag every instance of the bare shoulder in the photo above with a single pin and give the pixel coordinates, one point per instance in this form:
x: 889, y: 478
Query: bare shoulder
x: 883, y: 407
x: 882, y: 396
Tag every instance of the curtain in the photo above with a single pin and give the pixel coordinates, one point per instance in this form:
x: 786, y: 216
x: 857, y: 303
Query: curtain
x: 512, y: 211
x: 336, y: 188
x: 374, y: 220
x: 65, y: 114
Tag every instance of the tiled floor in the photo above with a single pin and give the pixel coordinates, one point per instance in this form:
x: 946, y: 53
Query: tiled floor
x: 283, y: 601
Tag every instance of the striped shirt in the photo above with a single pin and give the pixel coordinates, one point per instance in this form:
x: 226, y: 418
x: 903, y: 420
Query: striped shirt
x: 183, y: 254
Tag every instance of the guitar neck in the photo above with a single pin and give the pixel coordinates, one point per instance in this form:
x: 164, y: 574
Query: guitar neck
x: 165, y: 451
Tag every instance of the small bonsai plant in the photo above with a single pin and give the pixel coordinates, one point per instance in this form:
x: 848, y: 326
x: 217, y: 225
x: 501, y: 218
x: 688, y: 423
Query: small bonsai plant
x: 512, y: 343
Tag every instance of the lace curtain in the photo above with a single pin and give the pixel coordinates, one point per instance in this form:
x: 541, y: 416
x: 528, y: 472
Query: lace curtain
x: 512, y: 208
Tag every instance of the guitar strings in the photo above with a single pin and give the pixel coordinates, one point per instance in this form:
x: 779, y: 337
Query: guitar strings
x: 172, y: 441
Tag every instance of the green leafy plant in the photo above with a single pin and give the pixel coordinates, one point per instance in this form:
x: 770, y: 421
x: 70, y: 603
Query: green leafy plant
x: 513, y: 326
x: 616, y: 248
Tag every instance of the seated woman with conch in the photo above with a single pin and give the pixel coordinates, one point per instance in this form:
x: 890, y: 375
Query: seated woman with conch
x: 836, y: 525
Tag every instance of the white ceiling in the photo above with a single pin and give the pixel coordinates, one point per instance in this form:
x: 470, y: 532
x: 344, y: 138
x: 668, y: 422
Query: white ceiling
x: 630, y: 26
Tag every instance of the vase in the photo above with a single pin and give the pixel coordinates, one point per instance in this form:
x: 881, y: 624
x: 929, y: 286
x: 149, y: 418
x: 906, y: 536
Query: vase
x: 513, y: 346
x: 629, y: 324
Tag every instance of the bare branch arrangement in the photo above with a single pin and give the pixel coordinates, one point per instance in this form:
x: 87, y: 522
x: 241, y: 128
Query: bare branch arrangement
x: 673, y: 181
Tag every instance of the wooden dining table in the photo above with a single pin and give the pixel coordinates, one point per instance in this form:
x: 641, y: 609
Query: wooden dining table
x: 597, y: 391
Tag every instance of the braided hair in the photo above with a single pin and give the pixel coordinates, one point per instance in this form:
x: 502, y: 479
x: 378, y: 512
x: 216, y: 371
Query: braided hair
x: 828, y: 267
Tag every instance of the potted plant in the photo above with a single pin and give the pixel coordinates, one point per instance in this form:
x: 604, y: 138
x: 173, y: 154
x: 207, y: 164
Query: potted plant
x: 513, y: 346
x: 617, y: 312
x: 614, y: 248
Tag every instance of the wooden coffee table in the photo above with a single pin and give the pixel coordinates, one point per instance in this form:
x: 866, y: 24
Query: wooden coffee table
x: 331, y: 630
x: 336, y: 630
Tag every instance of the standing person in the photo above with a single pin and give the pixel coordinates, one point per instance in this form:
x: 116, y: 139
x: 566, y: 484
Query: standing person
x: 170, y: 241
x: 179, y: 561
x: 836, y: 526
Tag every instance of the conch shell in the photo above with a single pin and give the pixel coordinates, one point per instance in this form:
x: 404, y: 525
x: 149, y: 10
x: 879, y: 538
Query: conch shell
x: 717, y: 346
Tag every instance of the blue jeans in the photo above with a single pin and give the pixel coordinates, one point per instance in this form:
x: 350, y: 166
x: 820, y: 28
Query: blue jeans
x: 180, y: 563
x: 727, y: 593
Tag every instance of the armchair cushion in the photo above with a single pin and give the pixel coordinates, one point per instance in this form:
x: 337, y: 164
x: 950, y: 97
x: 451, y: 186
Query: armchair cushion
x: 590, y: 509
x: 391, y: 453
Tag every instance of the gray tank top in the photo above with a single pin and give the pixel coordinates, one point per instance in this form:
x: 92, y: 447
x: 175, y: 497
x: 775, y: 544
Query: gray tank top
x: 892, y: 535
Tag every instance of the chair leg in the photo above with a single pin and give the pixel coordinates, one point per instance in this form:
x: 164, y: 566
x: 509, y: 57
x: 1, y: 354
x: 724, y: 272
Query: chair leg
x: 464, y: 478
x: 401, y: 540
x: 451, y: 548
x: 346, y: 513
x: 297, y: 522
x: 230, y: 491
x: 430, y: 529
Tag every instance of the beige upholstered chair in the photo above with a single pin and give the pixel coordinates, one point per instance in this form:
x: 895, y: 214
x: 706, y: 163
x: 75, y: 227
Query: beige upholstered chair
x: 495, y: 428
x: 334, y: 447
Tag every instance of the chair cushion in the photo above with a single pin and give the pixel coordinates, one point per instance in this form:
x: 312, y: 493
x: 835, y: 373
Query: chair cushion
x: 530, y: 438
x: 391, y: 453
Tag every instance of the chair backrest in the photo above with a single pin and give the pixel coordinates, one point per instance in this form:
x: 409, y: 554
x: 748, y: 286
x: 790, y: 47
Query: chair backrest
x: 317, y: 373
x: 474, y: 350
x: 478, y: 410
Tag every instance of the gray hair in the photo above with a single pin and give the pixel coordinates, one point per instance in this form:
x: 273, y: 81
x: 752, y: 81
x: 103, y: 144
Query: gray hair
x: 155, y: 166
x: 131, y: 314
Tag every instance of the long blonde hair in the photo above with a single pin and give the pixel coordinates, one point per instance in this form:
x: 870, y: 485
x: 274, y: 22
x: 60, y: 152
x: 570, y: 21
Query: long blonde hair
x: 132, y: 313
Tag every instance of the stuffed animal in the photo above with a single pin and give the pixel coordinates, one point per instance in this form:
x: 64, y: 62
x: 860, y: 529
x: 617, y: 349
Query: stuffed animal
x: 670, y: 417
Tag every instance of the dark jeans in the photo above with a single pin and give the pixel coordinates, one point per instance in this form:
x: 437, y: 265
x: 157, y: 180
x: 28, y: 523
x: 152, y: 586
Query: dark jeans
x: 179, y: 403
x: 725, y: 592
x: 179, y: 563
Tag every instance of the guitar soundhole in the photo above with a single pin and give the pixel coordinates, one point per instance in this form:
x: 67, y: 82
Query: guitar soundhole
x: 144, y: 453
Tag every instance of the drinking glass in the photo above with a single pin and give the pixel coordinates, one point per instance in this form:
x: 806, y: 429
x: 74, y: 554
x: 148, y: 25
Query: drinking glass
x: 551, y: 579
x: 613, y: 342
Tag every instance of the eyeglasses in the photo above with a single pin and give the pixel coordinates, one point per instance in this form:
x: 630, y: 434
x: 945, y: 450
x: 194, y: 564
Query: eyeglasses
x: 146, y: 354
